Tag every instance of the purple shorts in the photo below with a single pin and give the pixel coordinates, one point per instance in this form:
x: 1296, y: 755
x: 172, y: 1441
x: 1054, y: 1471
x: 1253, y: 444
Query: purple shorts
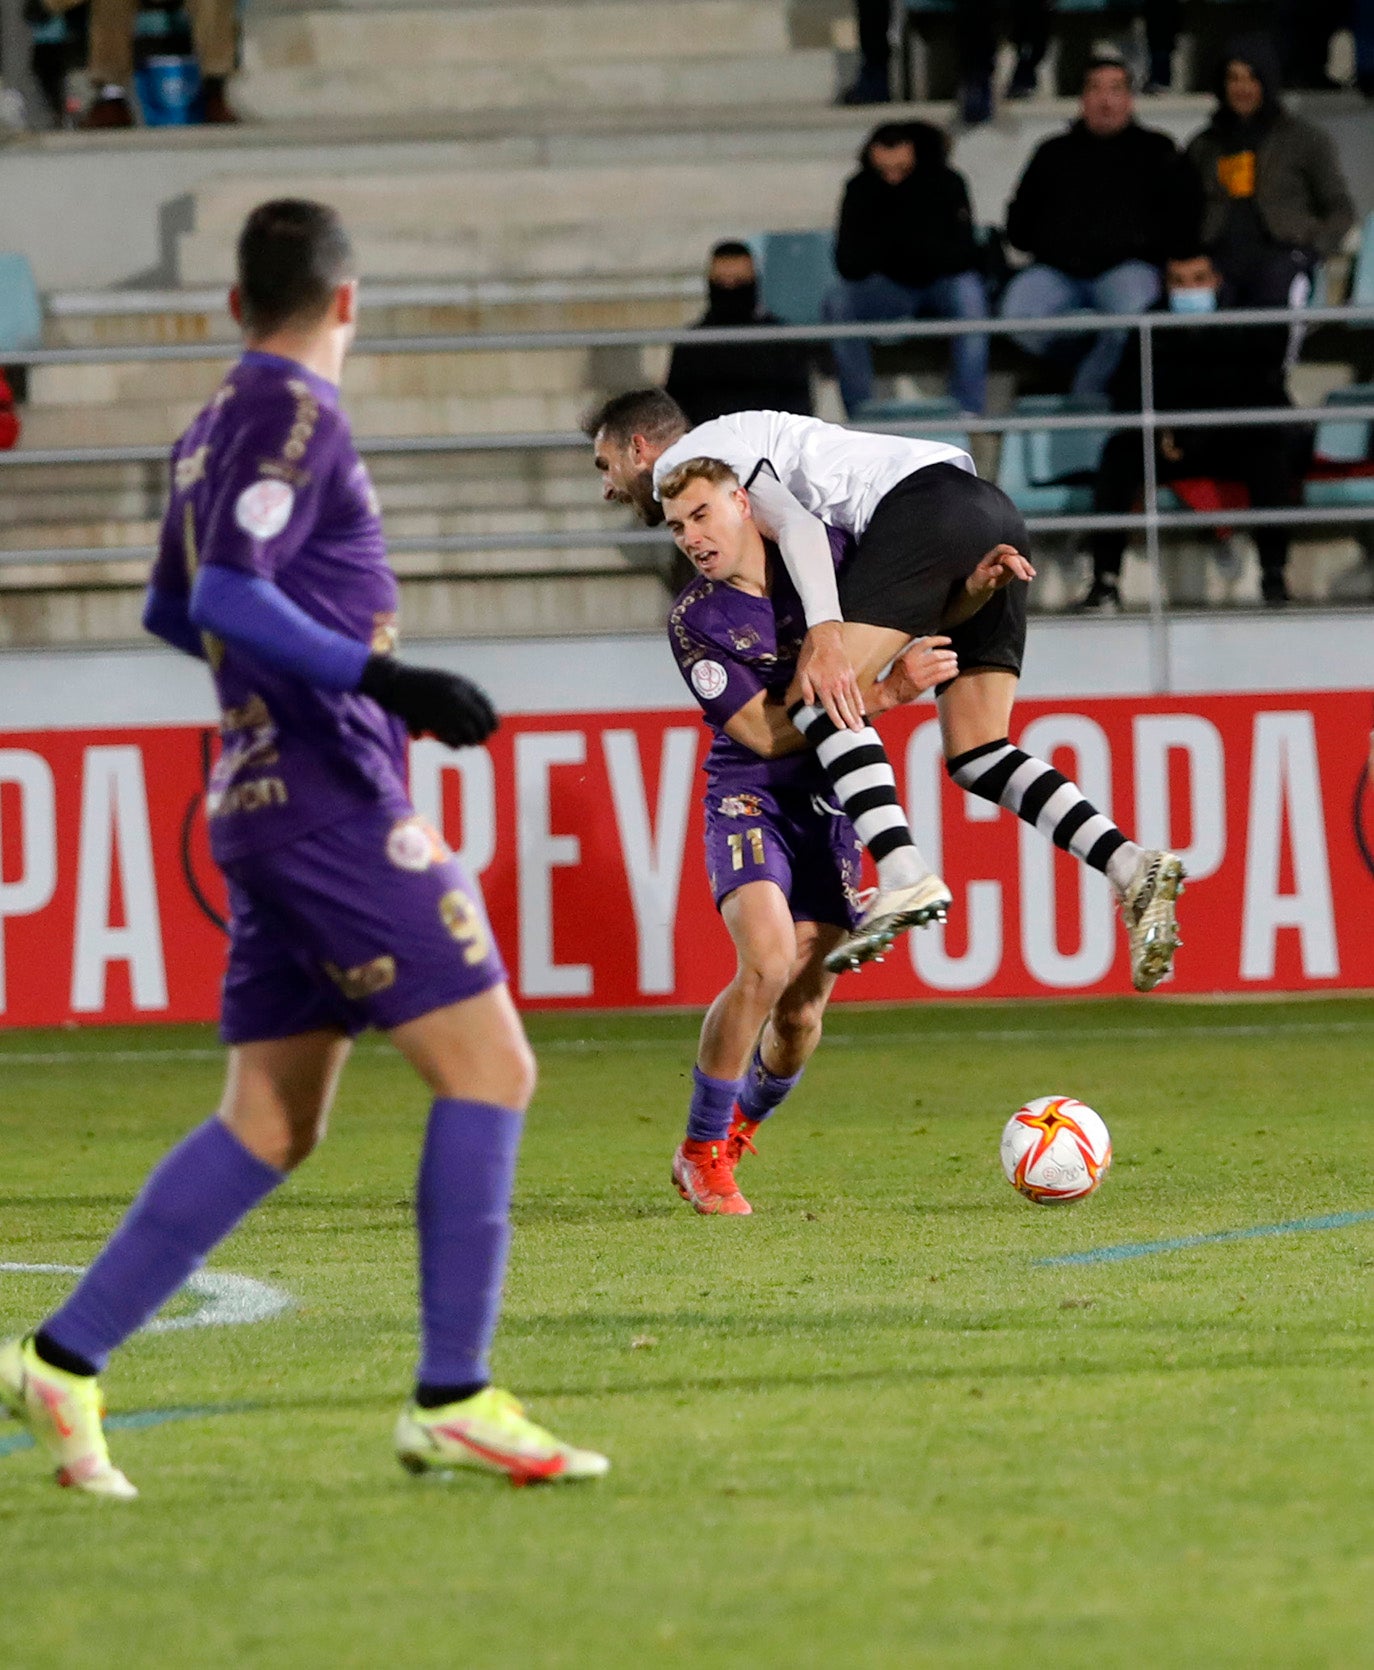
x: 370, y: 922
x: 787, y: 836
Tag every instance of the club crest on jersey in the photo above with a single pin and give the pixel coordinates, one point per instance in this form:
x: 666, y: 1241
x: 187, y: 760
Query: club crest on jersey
x: 745, y: 640
x: 709, y: 679
x: 741, y: 806
x: 264, y: 509
x: 413, y: 844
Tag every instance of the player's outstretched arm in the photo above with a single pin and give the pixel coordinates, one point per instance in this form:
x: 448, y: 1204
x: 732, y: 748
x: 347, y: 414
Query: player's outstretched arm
x: 929, y: 661
x: 167, y: 616
x: 824, y: 669
x: 253, y: 613
x: 1002, y: 565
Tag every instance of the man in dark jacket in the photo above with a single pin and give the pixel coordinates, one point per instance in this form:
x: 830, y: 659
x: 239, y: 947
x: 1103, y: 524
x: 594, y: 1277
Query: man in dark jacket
x: 1196, y: 370
x: 1097, y: 209
x: 711, y: 380
x: 1274, y: 199
x: 905, y: 249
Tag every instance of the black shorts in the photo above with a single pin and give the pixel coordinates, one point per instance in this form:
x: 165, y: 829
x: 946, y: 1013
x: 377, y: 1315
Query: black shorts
x: 926, y: 537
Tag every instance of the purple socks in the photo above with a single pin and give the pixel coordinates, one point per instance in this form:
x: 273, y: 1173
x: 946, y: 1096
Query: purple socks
x: 713, y: 1102
x: 762, y: 1091
x: 188, y: 1205
x: 462, y: 1201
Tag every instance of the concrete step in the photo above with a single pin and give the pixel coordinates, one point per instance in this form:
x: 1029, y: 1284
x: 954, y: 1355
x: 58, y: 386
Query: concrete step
x: 553, y: 606
x: 98, y: 320
x: 156, y: 423
x: 492, y: 35
x: 367, y: 90
x: 367, y: 376
x: 443, y: 202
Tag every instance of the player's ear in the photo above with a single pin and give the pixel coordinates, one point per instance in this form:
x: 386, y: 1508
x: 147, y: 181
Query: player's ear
x: 641, y: 452
x: 346, y: 302
x: 741, y: 498
x: 235, y: 305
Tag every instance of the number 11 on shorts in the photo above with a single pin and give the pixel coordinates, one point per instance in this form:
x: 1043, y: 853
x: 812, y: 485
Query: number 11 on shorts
x: 755, y: 839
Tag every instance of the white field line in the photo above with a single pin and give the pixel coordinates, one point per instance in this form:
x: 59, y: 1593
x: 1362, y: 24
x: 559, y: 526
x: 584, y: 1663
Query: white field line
x: 833, y: 1040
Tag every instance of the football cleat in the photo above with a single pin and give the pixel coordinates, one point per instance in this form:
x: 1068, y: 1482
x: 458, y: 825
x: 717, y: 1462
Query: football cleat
x: 490, y: 1433
x: 887, y: 914
x: 1147, y: 908
x: 63, y: 1412
x: 741, y: 1138
x: 705, y: 1176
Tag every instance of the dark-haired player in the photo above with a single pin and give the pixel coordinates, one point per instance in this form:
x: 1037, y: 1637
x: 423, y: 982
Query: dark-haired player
x: 348, y: 911
x: 923, y: 522
x: 783, y: 863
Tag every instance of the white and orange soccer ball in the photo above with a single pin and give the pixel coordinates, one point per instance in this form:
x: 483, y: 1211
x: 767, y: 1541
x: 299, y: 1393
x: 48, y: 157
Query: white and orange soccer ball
x: 1055, y: 1149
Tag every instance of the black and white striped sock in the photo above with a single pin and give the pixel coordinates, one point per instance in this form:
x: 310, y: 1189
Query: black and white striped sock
x: 1046, y: 799
x: 857, y: 766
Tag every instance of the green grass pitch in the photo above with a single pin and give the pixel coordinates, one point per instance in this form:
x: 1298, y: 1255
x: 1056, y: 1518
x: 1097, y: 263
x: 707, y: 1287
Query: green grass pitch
x: 864, y: 1427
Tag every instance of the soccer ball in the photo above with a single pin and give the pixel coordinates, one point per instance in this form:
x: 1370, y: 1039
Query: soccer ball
x: 1055, y: 1149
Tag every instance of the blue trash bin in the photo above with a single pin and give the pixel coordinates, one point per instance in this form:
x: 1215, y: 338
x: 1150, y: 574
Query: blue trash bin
x: 168, y: 91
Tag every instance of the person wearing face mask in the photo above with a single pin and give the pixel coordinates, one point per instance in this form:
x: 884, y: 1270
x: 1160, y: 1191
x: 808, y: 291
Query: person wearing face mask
x: 1202, y: 369
x: 709, y: 380
x: 1275, y: 201
x: 905, y: 249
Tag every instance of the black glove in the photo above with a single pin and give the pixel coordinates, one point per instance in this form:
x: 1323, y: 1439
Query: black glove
x: 432, y: 702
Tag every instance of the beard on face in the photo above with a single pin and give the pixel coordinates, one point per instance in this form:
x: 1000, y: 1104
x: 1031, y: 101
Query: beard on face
x: 641, y: 495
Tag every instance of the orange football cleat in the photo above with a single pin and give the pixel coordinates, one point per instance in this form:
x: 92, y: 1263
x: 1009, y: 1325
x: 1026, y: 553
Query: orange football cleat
x: 741, y: 1139
x: 705, y: 1176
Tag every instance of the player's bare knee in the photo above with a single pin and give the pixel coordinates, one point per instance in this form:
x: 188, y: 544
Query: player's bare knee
x: 797, y: 1023
x: 763, y: 980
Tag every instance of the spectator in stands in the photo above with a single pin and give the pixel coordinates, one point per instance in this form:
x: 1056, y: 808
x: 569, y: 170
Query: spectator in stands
x: 905, y: 249
x: 1097, y: 209
x: 1274, y: 199
x: 111, y: 59
x: 9, y: 417
x: 710, y: 380
x: 1226, y: 367
x: 873, y: 84
x: 976, y: 27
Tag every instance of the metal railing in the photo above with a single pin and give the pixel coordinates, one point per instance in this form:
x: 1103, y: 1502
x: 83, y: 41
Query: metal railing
x: 1152, y: 520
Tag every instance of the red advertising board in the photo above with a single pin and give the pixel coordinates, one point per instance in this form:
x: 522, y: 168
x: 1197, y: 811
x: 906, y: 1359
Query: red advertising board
x: 585, y: 833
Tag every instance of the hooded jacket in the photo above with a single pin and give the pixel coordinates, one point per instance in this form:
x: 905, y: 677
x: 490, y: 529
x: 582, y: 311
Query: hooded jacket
x: 1276, y: 164
x: 1086, y: 202
x: 914, y: 232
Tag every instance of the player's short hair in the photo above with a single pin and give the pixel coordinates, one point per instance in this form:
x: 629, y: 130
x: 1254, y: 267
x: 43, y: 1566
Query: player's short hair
x: 714, y: 470
x: 652, y: 413
x: 731, y: 247
x: 1107, y: 61
x: 292, y: 256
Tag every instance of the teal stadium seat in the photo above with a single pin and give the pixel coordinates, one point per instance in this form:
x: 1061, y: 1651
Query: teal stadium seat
x: 1362, y: 276
x: 795, y: 271
x: 1048, y: 472
x: 914, y: 412
x: 21, y: 312
x: 1344, y: 454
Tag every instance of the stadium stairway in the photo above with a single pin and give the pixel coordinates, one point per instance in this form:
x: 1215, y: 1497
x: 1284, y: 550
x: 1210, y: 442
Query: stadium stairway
x: 519, y: 167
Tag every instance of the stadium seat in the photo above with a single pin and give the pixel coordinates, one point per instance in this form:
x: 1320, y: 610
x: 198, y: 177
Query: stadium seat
x: 1362, y: 274
x: 914, y: 412
x: 795, y: 271
x: 1343, y: 463
x: 1049, y: 472
x: 21, y: 313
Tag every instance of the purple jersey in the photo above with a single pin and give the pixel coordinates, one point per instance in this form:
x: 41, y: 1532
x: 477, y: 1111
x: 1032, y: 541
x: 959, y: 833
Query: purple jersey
x: 731, y: 645
x: 267, y: 481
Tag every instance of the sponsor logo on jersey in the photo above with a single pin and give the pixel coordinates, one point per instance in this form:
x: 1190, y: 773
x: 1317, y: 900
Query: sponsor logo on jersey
x: 264, y: 509
x: 709, y: 679
x: 364, y: 981
x: 741, y: 806
x: 414, y: 844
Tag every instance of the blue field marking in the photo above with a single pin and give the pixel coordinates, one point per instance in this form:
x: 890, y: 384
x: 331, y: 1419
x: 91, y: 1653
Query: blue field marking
x: 138, y: 1421
x: 1143, y: 1249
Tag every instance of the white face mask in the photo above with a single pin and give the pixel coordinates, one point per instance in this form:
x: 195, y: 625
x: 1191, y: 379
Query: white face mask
x: 1200, y: 299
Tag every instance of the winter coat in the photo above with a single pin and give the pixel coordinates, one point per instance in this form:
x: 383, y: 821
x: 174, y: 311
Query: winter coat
x: 1288, y: 167
x: 709, y: 380
x: 914, y: 232
x: 1086, y: 203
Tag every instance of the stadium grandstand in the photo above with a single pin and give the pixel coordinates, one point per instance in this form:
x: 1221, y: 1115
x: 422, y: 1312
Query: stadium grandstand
x: 552, y: 203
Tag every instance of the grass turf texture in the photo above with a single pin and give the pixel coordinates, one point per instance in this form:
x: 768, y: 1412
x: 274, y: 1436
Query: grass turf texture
x: 863, y: 1427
